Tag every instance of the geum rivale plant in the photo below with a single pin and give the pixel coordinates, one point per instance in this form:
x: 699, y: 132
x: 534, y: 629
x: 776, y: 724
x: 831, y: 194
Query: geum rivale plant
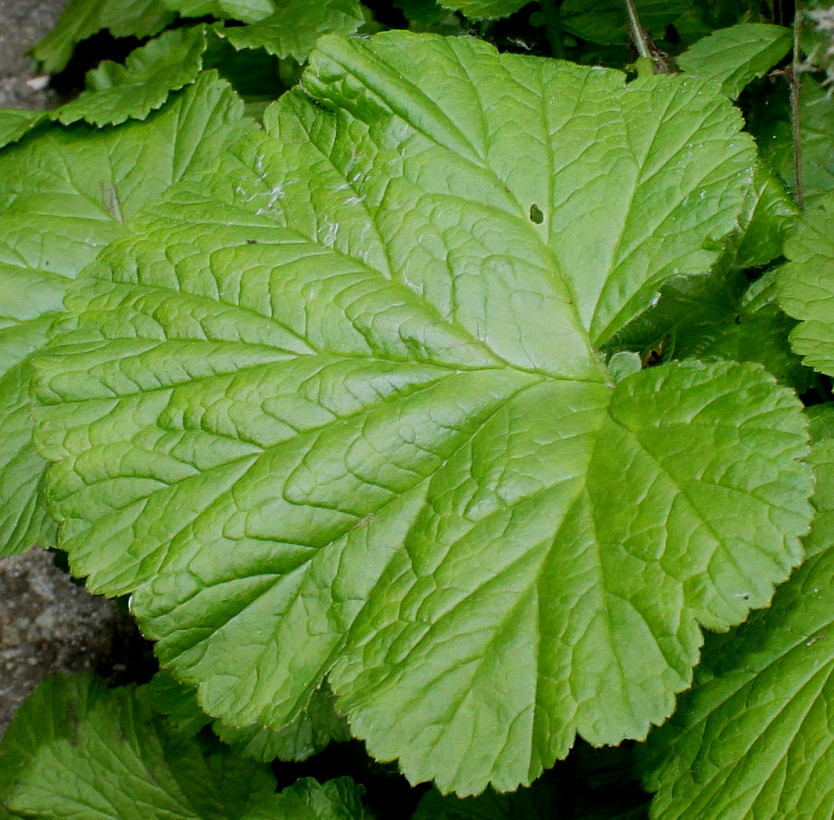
x: 434, y: 408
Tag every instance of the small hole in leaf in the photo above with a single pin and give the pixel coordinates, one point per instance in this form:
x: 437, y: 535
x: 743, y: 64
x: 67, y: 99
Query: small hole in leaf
x: 536, y: 214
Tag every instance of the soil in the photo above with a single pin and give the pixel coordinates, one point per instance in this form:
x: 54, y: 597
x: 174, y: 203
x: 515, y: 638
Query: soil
x: 47, y: 622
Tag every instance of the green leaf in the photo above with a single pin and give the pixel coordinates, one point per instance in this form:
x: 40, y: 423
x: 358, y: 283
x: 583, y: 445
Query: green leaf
x: 754, y: 738
x: 195, y: 8
x: 64, y: 194
x: 754, y: 329
x: 15, y: 124
x: 756, y: 333
x: 536, y: 803
x: 117, y: 93
x: 718, y: 317
x: 307, y: 799
x: 311, y: 732
x: 624, y: 363
x: 250, y: 11
x: 737, y: 55
x: 769, y: 217
x: 422, y: 12
x: 722, y: 314
x: 806, y: 290
x: 24, y: 520
x: 484, y: 9
x: 83, y: 18
x: 817, y: 126
x: 315, y: 728
x: 337, y: 411
x: 821, y: 417
x: 76, y: 749
x: 606, y: 21
x: 293, y: 29
x: 177, y: 702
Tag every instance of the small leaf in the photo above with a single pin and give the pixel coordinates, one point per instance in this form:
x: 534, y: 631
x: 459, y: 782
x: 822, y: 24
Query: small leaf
x: 292, y: 30
x: 83, y: 18
x: 768, y: 218
x: 484, y: 9
x: 606, y: 21
x: 423, y: 12
x: 250, y: 11
x: 307, y: 799
x: 313, y: 730
x: 116, y: 93
x: 817, y: 125
x: 76, y: 749
x: 807, y: 286
x: 753, y: 738
x: 195, y: 8
x: 737, y: 55
x: 624, y: 363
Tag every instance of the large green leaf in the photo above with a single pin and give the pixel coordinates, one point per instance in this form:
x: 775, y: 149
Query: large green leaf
x: 807, y: 286
x: 76, y: 749
x: 293, y: 28
x: 337, y: 410
x: 64, y: 194
x: 737, y: 55
x: 754, y: 738
x: 83, y: 18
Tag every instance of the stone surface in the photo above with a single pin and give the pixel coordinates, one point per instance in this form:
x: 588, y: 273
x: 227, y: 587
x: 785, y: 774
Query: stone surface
x: 48, y: 624
x: 22, y: 24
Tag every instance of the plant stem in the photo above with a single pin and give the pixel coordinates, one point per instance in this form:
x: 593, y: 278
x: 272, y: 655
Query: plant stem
x: 553, y: 25
x: 796, y: 113
x: 637, y: 32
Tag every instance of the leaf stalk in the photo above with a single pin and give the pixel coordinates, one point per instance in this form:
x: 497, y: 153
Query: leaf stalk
x: 794, y: 81
x: 553, y: 25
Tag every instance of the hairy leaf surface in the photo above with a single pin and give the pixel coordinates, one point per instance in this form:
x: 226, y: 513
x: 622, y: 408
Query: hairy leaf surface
x: 735, y: 56
x: 754, y: 739
x: 64, y: 194
x: 338, y: 410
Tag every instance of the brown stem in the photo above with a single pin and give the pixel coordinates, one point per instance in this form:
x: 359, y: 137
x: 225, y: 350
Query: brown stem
x: 796, y: 113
